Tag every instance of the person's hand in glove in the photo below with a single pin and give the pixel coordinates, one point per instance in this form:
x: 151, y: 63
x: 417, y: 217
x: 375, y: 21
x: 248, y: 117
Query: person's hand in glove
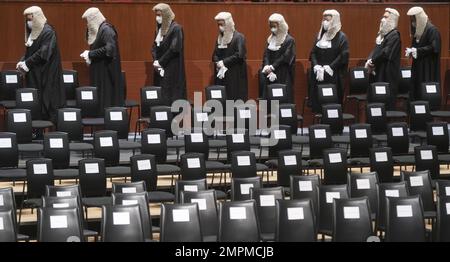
x: 272, y: 77
x: 369, y: 64
x: 220, y: 64
x: 22, y: 67
x: 411, y: 52
x: 320, y: 71
x: 268, y: 69
x: 161, y: 71
x: 156, y: 64
x: 85, y: 56
x: 317, y: 68
x: 328, y: 69
x: 221, y: 73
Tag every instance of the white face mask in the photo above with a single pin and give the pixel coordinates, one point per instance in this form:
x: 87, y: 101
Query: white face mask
x: 159, y: 19
x: 222, y: 28
x: 383, y: 21
x: 274, y: 30
x: 326, y: 25
x: 29, y: 24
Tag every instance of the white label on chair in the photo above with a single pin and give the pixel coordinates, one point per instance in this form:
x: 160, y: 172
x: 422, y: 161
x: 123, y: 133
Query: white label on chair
x: 351, y: 212
x: 431, y: 89
x: 216, y: 94
x: 128, y: 190
x: 397, y: 131
x: 58, y: 222
x: 39, y: 169
x: 437, y: 130
x: 286, y: 112
x: 129, y: 202
x: 290, y: 160
x: 277, y: 92
x: 360, y: 133
x: 190, y: 188
x: 60, y: 205
x: 2, y: 203
x: 68, y: 79
x: 392, y: 193
x: 447, y: 191
x: 295, y: 213
x: 327, y: 91
x: 91, y: 168
x: 11, y: 79
x: 406, y: 73
x: 193, y: 163
x: 151, y: 94
x: 201, y: 202
x: 197, y: 138
x: 70, y: 116
x: 426, y: 154
x: 26, y: 97
x: 237, y: 138
x: 161, y: 116
x: 380, y: 90
x: 332, y: 113
x: 279, y: 134
x: 320, y: 133
x: 5, y: 143
x: 362, y: 184
x: 243, y: 160
x: 419, y: 109
x: 376, y: 111
x: 381, y: 157
x: 153, y: 139
x: 144, y: 165
x: 447, y: 206
x: 267, y: 200
x: 115, y: 116
x: 416, y: 181
x: 358, y: 74
x: 106, y: 141
x: 202, y: 117
x: 56, y: 143
x: 404, y: 211
x: 20, y: 117
x: 245, y: 188
x: 87, y: 95
x: 335, y: 158
x: 332, y: 195
x: 2, y: 226
x: 245, y: 113
x: 121, y: 218
x: 238, y: 213
x: 63, y: 193
x: 305, y: 186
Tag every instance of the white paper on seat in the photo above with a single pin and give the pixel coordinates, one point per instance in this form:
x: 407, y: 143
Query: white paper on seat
x: 91, y: 168
x: 128, y: 190
x: 121, y: 218
x: 351, y: 213
x: 238, y: 213
x: 447, y: 190
x: 295, y: 213
x: 153, y: 139
x: 245, y: 113
x: 419, y: 109
x: 392, y: 193
x: 332, y: 113
x: 151, y: 94
x: 2, y: 226
x: 63, y: 193
x: 26, y: 97
x: 39, y: 169
x: 426, y: 154
x: 327, y: 91
x: 60, y: 205
x: 380, y: 90
x: 56, y: 143
x: 431, y: 89
x: 277, y: 92
x: 2, y: 203
x: 397, y: 131
x: 245, y: 188
x: 447, y: 206
x: 243, y: 160
x: 381, y: 157
x: 358, y: 74
x: 87, y: 95
x: 335, y: 158
x: 106, y: 141
x: 58, y: 222
x: 416, y: 181
x: 144, y: 164
x: 237, y: 138
x: 437, y: 130
x: 193, y: 162
x: 305, y: 186
x: 5, y: 143
x: 129, y: 202
x: 68, y: 79
x: 11, y: 79
x: 320, y: 133
x: 19, y: 117
x: 216, y: 94
x: 161, y: 116
x: 332, y: 195
x: 362, y: 184
x: 267, y: 200
x: 70, y: 116
x: 197, y: 138
x: 406, y: 73
x: 376, y: 111
x: 286, y: 112
x: 115, y: 116
x: 201, y: 202
x: 190, y: 188
x: 279, y: 134
x: 290, y: 160
x: 360, y: 133
x: 202, y: 117
x: 404, y: 211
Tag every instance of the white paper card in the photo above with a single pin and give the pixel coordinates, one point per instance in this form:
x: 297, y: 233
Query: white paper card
x: 91, y: 168
x: 406, y: 73
x: 63, y: 193
x: 5, y: 143
x: 60, y: 205
x: 447, y: 190
x: 447, y: 206
x: 58, y: 221
x: 151, y: 94
x: 87, y: 95
x: 351, y: 212
x: 295, y: 213
x: 202, y: 117
x: 245, y: 113
x: 11, y: 79
x: 320, y: 133
x: 332, y: 195
x: 106, y: 141
x: 121, y: 218
x: 20, y: 117
x: 144, y: 164
x: 360, y: 133
x: 115, y: 116
x: 277, y: 92
x: 426, y: 154
x: 332, y: 113
x: 2, y: 226
x: 376, y: 111
x: 39, y: 169
x: 2, y: 203
x: 286, y: 112
x: 305, y: 186
x: 237, y: 138
x: 180, y: 215
x: 362, y: 183
x: 404, y: 211
x: 197, y: 138
x: 129, y: 202
x: 397, y: 131
x: 279, y: 134
x: 416, y: 181
x: 201, y: 202
x: 154, y: 139
x: 216, y: 94
x: 335, y: 158
x: 161, y: 116
x: 128, y: 190
x: 68, y: 79
x: 431, y: 89
x: 380, y: 90
x: 267, y: 200
x: 392, y: 193
x: 245, y: 189
x: 26, y: 97
x: 70, y: 116
x: 290, y: 160
x: 190, y: 188
x: 358, y: 74
x: 193, y: 162
x: 419, y: 109
x: 381, y: 156
x: 243, y: 160
x: 438, y: 130
x: 56, y: 143
x: 327, y: 91
x: 238, y: 213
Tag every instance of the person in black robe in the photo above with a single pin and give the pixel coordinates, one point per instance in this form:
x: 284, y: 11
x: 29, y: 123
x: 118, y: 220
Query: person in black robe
x: 103, y: 60
x: 329, y: 58
x: 168, y: 55
x: 383, y: 64
x: 229, y: 59
x: 425, y: 50
x: 279, y: 58
x: 42, y: 63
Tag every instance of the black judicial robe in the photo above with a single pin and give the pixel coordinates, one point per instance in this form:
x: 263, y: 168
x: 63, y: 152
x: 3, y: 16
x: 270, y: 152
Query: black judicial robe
x: 234, y: 58
x: 105, y: 70
x: 386, y: 58
x: 426, y: 68
x: 170, y: 55
x: 44, y: 61
x: 283, y: 60
x: 337, y: 58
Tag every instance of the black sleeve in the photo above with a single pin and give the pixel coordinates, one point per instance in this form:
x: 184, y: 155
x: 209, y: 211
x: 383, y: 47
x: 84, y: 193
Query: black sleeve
x: 389, y: 51
x: 433, y: 46
x: 342, y: 59
x: 239, y: 53
x: 175, y: 48
x: 288, y: 56
x: 108, y: 37
x: 48, y: 45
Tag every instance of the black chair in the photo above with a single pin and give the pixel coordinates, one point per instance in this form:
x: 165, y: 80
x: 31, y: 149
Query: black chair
x: 279, y: 93
x: 193, y: 166
x: 87, y: 101
x: 380, y: 92
x: 352, y: 220
x: 376, y: 117
x: 189, y: 186
x: 360, y: 140
x: 385, y: 191
x: 10, y: 81
x: 59, y: 225
x: 319, y: 140
x: 441, y: 229
x: 437, y: 135
x: 327, y: 94
x: 397, y: 138
x: 332, y: 116
x: 431, y: 92
x: 281, y: 139
x: 382, y: 163
x: 217, y: 93
x: 358, y: 85
x: 238, y: 222
x: 419, y: 183
x: 419, y: 116
x: 28, y: 98
x: 288, y: 116
x: 239, y: 140
x: 9, y: 154
x: 161, y: 117
x: 129, y: 188
x: 296, y: 221
x: 122, y: 224
x: 306, y: 187
x: 70, y: 80
x: 405, y: 84
x: 8, y: 232
x: 365, y: 185
x: 19, y: 122
x: 245, y: 118
x: 64, y: 191
x: 106, y: 146
x: 150, y: 96
x: 198, y: 142
x: 265, y: 205
x: 243, y: 164
x: 56, y: 148
x: 117, y: 119
x: 426, y: 158
x: 326, y: 196
x: 240, y: 187
x: 180, y: 223
x: 92, y: 176
x: 289, y: 164
x: 335, y: 166
x: 69, y: 121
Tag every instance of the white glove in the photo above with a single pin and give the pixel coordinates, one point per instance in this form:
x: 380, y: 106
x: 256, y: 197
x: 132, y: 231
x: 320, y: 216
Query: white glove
x: 320, y: 74
x: 408, y: 52
x: 221, y: 73
x: 368, y: 63
x: 18, y: 64
x: 220, y: 64
x: 328, y: 69
x: 156, y: 64
x: 317, y: 68
x: 266, y: 69
x: 414, y: 52
x: 24, y: 67
x: 85, y: 56
x: 161, y: 72
x: 272, y: 77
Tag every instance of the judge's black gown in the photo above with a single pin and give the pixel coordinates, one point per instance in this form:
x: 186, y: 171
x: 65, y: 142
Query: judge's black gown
x: 170, y: 55
x: 105, y: 70
x: 426, y: 68
x: 283, y: 60
x: 234, y: 58
x: 386, y: 58
x: 44, y: 61
x: 337, y: 58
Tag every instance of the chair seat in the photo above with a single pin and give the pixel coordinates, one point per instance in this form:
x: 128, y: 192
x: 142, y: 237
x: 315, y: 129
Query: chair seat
x: 128, y: 145
x: 8, y: 104
x: 96, y: 201
x: 444, y: 158
x: 255, y: 140
x: 419, y: 134
x: 160, y: 196
x: 395, y: 114
x: 300, y: 139
x: 261, y: 167
x: 22, y: 237
x: 361, y: 97
x: 41, y: 124
x: 403, y: 96
x: 359, y: 161
x: 78, y: 146
x: 175, y: 143
x: 71, y: 103
x: 341, y: 139
x: 407, y: 159
x: 267, y: 236
x: 380, y: 138
x: 299, y: 118
x: 272, y: 163
x: 166, y: 169
x: 13, y: 174
x: 31, y: 147
x: 131, y: 103
x: 33, y: 202
x: 214, y: 166
x: 439, y: 113
x: 315, y: 162
x: 211, y: 238
x: 89, y: 233
x: 143, y: 120
x: 118, y: 171
x: 348, y: 117
x: 221, y: 195
x: 429, y: 214
x: 97, y: 121
x: 217, y: 143
x: 68, y: 173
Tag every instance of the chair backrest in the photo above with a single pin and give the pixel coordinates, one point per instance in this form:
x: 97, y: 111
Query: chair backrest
x: 19, y: 122
x: 376, y: 117
x: 189, y: 186
x: 106, y: 146
x: 238, y: 222
x: 352, y: 220
x: 243, y: 164
x: 122, y: 223
x: 419, y: 115
x: 289, y: 164
x: 419, y: 183
x: 379, y: 92
x: 7, y: 199
x: 278, y: 92
x: 196, y: 142
x: 154, y: 142
x: 364, y: 185
x: 143, y: 168
x: 265, y: 205
x: 129, y: 188
x: 56, y: 148
x: 335, y: 166
x: 64, y: 191
x: 150, y: 96
x: 385, y: 191
x: 437, y: 135
x: 88, y: 101
x: 180, y: 223
x: 9, y: 151
x: 332, y: 116
x: 239, y: 140
x: 69, y: 121
x: 296, y: 221
x: 8, y: 232
x: 398, y: 138
x: 216, y: 92
x: 59, y: 225
x: 70, y: 80
x: 288, y: 116
x: 319, y: 140
x: 282, y: 140
x: 10, y: 81
x: 39, y: 175
x: 240, y: 187
x: 245, y: 117
x: 161, y: 117
x: 359, y: 80
x: 64, y: 202
x: 306, y: 187
x: 92, y: 177
x: 405, y: 84
x: 360, y: 140
x: 193, y: 166
x: 327, y: 94
x: 431, y: 92
x: 116, y: 118
x: 442, y: 229
x: 405, y: 220
x: 200, y: 118
x: 382, y: 163
x: 28, y: 98
x: 326, y: 195
x: 426, y: 158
